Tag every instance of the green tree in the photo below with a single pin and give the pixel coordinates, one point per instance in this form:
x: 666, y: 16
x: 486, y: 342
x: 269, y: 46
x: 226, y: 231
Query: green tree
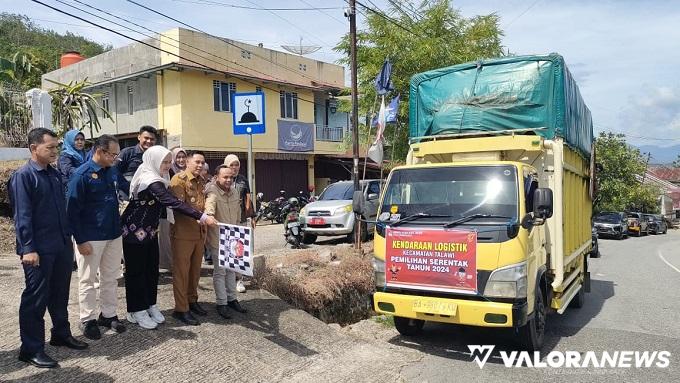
x: 434, y: 36
x: 620, y: 186
x: 74, y: 108
x: 43, y: 47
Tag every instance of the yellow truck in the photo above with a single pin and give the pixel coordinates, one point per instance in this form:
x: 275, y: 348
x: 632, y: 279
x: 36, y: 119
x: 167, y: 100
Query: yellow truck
x: 489, y: 221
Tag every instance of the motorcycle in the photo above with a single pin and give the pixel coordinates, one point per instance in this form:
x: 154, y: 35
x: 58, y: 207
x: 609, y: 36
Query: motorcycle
x: 292, y: 228
x: 271, y: 210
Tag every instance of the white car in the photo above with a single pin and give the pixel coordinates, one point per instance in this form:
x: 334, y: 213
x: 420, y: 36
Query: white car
x: 332, y: 214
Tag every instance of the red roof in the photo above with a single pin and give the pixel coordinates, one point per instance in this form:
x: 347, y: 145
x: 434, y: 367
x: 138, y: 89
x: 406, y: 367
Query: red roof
x: 666, y: 173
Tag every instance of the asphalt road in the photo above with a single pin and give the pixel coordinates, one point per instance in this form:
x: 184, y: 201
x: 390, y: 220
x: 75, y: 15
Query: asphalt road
x: 634, y: 305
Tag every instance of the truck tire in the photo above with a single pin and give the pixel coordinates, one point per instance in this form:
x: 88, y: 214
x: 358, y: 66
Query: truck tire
x: 408, y: 326
x: 532, y: 334
x: 308, y: 239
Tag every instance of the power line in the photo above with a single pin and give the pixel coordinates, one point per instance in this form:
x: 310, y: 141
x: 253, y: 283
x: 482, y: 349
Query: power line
x: 294, y: 25
x: 522, y: 14
x: 169, y: 37
x: 385, y: 17
x: 158, y: 48
x: 322, y: 10
x: 218, y: 3
x: 221, y: 39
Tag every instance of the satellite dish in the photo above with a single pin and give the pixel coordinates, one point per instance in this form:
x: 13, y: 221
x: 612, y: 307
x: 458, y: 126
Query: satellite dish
x: 301, y: 49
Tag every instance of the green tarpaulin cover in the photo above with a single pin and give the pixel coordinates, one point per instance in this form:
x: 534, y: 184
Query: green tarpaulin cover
x: 522, y: 92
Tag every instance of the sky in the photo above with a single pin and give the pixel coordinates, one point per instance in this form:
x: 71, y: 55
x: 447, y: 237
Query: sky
x: 625, y: 55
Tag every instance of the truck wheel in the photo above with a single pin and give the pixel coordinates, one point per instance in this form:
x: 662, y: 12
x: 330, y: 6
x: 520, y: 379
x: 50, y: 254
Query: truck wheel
x: 532, y: 334
x: 308, y: 239
x: 408, y: 326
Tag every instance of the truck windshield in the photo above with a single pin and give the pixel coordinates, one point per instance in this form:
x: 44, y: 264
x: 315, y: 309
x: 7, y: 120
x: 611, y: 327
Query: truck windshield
x: 455, y: 191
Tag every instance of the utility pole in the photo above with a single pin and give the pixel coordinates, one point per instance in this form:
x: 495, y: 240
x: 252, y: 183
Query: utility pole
x: 352, y: 14
x: 644, y: 175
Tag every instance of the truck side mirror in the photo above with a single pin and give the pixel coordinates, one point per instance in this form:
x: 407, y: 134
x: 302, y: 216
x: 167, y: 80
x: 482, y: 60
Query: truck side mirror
x: 543, y: 203
x: 358, y: 202
x: 372, y: 196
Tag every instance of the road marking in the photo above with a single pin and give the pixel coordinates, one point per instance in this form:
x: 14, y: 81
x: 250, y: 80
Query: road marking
x: 666, y: 262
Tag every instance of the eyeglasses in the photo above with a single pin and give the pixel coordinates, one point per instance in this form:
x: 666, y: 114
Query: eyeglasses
x: 113, y: 155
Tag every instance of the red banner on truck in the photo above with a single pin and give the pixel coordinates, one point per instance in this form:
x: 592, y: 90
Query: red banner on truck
x: 426, y: 259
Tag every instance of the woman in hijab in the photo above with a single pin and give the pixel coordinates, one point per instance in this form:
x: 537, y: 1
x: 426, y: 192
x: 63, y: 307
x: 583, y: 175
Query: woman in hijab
x: 179, y: 160
x: 149, y: 200
x: 72, y: 155
x: 179, y: 163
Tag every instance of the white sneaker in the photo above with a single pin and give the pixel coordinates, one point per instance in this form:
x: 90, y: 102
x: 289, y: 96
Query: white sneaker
x: 240, y: 287
x: 155, y: 314
x: 143, y: 319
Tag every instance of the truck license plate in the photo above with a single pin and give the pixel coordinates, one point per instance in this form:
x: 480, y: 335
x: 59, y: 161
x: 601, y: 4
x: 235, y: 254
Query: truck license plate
x: 318, y: 221
x: 431, y: 306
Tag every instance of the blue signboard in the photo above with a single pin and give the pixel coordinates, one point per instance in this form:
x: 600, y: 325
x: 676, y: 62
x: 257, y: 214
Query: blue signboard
x: 248, y: 112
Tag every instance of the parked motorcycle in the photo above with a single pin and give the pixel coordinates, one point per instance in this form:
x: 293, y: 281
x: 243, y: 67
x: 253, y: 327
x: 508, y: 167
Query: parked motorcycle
x: 292, y: 228
x: 271, y: 210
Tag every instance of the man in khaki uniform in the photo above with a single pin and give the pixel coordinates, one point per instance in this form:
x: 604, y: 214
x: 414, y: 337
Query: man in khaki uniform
x: 224, y: 204
x: 188, y: 237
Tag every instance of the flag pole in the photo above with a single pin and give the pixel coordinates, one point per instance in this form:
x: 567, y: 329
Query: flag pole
x: 369, y: 123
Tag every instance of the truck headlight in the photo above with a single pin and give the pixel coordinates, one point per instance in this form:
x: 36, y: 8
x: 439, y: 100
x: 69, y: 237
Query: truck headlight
x: 341, y: 210
x: 508, y: 282
x: 379, y: 272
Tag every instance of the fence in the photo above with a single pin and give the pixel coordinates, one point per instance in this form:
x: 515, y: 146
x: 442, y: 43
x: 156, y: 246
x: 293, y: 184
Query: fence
x: 327, y: 133
x: 15, y: 118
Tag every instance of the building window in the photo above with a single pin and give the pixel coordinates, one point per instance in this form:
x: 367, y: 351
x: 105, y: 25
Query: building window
x: 303, y: 67
x: 131, y: 99
x: 245, y: 54
x: 105, y: 102
x: 222, y: 92
x: 289, y: 105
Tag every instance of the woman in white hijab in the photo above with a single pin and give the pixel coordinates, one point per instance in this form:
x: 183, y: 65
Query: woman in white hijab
x: 149, y: 200
x: 179, y: 163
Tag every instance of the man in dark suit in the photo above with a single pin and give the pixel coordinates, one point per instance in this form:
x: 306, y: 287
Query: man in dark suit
x: 45, y: 248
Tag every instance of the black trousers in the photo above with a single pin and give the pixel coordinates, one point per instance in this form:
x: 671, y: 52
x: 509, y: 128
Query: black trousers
x: 47, y: 288
x: 141, y: 274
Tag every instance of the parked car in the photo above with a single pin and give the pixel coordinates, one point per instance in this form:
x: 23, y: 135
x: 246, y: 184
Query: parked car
x: 332, y: 213
x: 611, y: 224
x: 595, y: 251
x: 657, y: 224
x: 637, y: 224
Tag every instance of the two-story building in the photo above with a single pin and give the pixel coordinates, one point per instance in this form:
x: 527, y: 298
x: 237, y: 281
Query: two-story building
x: 183, y: 82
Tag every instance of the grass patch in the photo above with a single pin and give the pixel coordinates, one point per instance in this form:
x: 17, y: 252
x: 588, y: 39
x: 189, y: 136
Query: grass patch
x: 385, y: 320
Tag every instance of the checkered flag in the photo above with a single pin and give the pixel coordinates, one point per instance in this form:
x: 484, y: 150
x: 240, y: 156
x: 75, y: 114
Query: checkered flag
x: 236, y: 249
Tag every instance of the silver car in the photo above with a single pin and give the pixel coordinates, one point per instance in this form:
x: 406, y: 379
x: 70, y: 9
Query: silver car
x: 332, y: 214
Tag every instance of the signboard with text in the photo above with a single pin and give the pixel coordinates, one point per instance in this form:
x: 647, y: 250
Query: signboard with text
x: 426, y: 259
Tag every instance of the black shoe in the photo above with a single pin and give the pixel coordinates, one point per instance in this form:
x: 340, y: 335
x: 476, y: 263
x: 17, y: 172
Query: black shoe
x: 69, y: 342
x: 234, y: 305
x: 112, y: 323
x: 197, y: 309
x: 91, y: 330
x: 39, y: 359
x: 186, y: 318
x: 223, y: 310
